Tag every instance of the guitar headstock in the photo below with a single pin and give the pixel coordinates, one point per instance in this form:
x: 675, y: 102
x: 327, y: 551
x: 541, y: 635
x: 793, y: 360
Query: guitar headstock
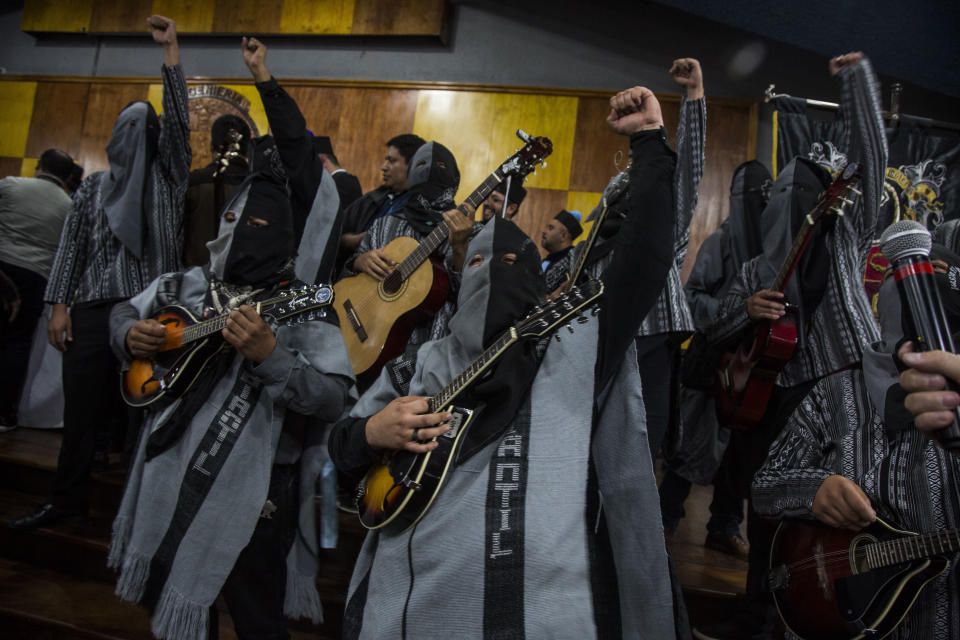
x: 545, y: 318
x: 297, y: 301
x: 837, y: 194
x: 528, y: 157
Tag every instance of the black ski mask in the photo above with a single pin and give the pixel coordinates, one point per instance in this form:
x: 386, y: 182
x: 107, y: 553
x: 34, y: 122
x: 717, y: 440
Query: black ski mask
x: 434, y: 178
x: 257, y: 242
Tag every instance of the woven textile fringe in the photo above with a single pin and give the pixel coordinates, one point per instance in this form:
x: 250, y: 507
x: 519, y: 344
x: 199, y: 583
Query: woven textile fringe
x: 133, y: 577
x: 301, y: 599
x: 119, y: 537
x: 178, y: 618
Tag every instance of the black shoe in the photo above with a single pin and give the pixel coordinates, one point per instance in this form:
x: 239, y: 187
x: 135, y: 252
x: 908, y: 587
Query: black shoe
x: 735, y: 546
x: 49, y: 514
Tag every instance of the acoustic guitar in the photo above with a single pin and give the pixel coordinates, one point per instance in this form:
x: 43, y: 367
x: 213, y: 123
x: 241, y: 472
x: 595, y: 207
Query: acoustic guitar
x: 377, y: 318
x: 189, y: 344
x: 832, y: 584
x: 745, y: 377
x: 396, y: 493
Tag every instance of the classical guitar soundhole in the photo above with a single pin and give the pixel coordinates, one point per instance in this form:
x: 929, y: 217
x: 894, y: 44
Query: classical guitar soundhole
x: 392, y: 283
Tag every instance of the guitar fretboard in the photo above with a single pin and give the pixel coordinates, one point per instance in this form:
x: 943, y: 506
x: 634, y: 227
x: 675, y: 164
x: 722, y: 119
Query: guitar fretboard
x: 909, y: 548
x: 588, y: 245
x: 213, y: 325
x: 205, y: 328
x: 452, y: 390
x: 437, y: 237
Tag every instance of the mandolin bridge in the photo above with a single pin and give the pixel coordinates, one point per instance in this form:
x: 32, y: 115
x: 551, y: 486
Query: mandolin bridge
x: 354, y: 320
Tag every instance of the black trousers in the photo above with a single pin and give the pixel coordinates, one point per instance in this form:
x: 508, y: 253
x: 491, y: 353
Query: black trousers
x: 655, y: 363
x: 92, y: 401
x: 17, y: 336
x: 256, y: 586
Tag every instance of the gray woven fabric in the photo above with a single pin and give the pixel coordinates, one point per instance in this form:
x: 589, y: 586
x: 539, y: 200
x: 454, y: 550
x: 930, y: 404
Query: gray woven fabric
x: 92, y: 263
x: 843, y: 321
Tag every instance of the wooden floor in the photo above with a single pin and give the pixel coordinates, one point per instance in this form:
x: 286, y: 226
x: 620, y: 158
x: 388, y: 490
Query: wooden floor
x: 54, y: 582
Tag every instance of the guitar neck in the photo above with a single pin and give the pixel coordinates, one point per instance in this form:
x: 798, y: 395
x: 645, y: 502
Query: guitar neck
x: 452, y: 390
x: 213, y: 325
x: 588, y: 245
x: 439, y: 235
x: 910, y: 548
x: 789, y: 265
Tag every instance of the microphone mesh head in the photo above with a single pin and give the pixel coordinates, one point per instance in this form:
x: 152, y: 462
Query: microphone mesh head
x: 905, y: 238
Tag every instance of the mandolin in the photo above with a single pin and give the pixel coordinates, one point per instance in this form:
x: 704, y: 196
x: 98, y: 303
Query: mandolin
x: 745, y: 377
x: 396, y: 493
x: 189, y: 343
x: 833, y: 584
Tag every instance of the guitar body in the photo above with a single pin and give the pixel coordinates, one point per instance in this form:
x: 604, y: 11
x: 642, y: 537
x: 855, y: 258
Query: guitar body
x: 376, y: 319
x: 394, y: 495
x: 746, y: 377
x: 175, y: 367
x: 824, y: 590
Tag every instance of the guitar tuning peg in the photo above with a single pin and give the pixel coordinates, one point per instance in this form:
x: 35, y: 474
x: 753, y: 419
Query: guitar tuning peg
x: 595, y: 311
x: 569, y: 328
x: 544, y: 164
x: 856, y: 191
x: 557, y: 336
x: 582, y: 319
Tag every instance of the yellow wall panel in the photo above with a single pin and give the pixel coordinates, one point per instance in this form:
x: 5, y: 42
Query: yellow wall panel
x: 256, y: 112
x: 155, y: 97
x: 480, y: 130
x: 584, y: 202
x: 56, y: 15
x: 28, y: 167
x: 191, y: 16
x: 16, y: 108
x: 316, y: 16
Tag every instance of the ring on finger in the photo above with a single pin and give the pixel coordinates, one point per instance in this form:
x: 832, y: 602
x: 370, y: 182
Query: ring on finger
x: 416, y: 434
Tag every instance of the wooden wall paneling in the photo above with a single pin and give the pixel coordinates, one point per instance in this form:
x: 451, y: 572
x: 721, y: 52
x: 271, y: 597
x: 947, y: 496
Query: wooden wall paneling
x: 191, y: 16
x: 400, y: 17
x: 313, y: 16
x: 538, y: 207
x: 584, y: 202
x: 595, y: 147
x: 57, y: 121
x: 728, y: 145
x: 104, y: 103
x: 10, y: 166
x: 121, y: 16
x: 237, y: 16
x: 480, y: 128
x: 56, y: 15
x: 28, y: 167
x: 16, y: 110
x: 359, y: 123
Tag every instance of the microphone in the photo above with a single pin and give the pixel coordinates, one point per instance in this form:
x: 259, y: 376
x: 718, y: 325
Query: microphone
x: 906, y: 244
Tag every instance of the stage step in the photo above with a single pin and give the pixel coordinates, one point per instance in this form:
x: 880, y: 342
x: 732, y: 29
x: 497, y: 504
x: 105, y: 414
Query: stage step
x: 711, y: 581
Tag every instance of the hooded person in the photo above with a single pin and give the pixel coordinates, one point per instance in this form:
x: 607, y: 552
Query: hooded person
x: 123, y: 230
x: 516, y: 540
x: 835, y: 317
x: 433, y: 178
x: 669, y: 322
x: 850, y: 454
x: 696, y: 452
x: 244, y: 444
x: 213, y: 185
